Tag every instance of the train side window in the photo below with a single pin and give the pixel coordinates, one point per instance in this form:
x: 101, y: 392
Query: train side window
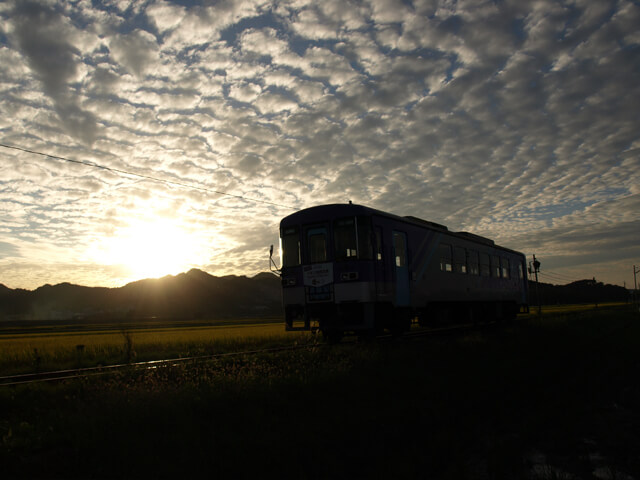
x: 520, y: 271
x: 317, y: 244
x: 378, y: 243
x: 399, y: 245
x: 505, y: 268
x: 472, y: 261
x: 485, y: 268
x: 495, y: 266
x: 290, y: 247
x: 445, y: 258
x: 365, y: 237
x: 460, y: 259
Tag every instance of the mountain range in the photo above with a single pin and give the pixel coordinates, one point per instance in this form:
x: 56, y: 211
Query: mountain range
x: 191, y: 295
x: 199, y: 295
x: 581, y: 291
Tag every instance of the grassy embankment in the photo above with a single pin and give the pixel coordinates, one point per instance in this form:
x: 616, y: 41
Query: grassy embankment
x: 543, y: 398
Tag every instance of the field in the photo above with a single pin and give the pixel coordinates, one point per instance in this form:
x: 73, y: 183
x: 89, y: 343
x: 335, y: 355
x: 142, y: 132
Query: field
x: 50, y: 345
x: 555, y: 397
x: 55, y: 346
x: 571, y: 310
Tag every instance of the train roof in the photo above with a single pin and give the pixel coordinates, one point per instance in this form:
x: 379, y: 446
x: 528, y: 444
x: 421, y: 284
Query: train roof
x: 341, y: 209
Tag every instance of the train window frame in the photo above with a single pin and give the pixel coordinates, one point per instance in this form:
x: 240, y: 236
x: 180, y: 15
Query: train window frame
x: 345, y: 239
x: 460, y: 260
x: 315, y: 231
x: 364, y: 229
x: 352, y: 238
x: 288, y: 235
x: 506, y: 267
x: 485, y: 265
x: 473, y: 262
x: 400, y: 248
x: 495, y: 266
x: 520, y: 271
x: 445, y: 251
x: 379, y: 247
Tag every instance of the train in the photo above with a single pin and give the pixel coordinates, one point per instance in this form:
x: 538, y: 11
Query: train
x: 352, y: 269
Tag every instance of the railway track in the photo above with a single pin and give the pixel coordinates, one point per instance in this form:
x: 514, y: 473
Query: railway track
x: 60, y: 375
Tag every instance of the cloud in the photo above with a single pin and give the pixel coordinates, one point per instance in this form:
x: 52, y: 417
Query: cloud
x: 513, y: 120
x: 275, y: 102
x: 43, y: 35
x: 136, y: 51
x: 166, y: 16
x: 245, y: 92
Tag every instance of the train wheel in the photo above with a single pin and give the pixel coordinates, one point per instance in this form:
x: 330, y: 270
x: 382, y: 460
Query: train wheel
x: 423, y: 318
x: 401, y: 322
x: 442, y: 316
x: 471, y: 315
x: 510, y: 311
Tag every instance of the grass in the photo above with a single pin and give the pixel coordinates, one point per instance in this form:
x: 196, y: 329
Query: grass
x: 541, y: 398
x: 555, y: 310
x: 56, y: 350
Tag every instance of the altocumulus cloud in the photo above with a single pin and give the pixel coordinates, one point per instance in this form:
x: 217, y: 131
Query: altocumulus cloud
x: 515, y: 120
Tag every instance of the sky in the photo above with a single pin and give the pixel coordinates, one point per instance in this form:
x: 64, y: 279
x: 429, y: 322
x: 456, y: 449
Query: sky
x: 519, y: 121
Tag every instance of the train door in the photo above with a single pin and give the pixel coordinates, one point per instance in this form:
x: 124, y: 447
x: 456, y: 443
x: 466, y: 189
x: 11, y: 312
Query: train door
x: 524, y: 286
x: 403, y: 297
x: 317, y: 273
x: 379, y: 262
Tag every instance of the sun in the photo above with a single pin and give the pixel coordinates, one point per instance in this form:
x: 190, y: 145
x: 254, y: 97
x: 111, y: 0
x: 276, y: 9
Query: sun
x: 153, y: 248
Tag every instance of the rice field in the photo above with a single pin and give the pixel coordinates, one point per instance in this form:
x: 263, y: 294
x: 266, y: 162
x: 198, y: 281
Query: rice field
x: 49, y: 348
x: 56, y: 346
x: 568, y: 309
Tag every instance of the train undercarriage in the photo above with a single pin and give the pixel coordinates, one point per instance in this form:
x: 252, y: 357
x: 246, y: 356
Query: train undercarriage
x: 369, y: 319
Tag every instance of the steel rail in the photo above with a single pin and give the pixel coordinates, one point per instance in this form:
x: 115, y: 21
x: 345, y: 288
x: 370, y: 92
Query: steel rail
x: 58, y: 375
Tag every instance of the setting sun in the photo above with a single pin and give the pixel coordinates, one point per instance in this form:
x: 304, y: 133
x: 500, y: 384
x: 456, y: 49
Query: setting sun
x: 153, y: 248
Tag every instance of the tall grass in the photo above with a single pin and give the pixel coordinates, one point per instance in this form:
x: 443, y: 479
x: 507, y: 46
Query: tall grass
x: 26, y: 353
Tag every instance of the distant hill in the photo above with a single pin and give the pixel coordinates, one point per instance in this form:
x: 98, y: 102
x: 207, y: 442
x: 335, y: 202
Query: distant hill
x: 191, y: 295
x: 582, y: 291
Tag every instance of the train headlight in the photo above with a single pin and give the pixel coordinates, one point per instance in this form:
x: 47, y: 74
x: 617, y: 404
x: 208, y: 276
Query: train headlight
x: 288, y: 282
x: 349, y: 276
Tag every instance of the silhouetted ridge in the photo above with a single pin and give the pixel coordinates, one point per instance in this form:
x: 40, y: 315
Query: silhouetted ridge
x: 191, y: 295
x: 199, y: 295
x: 582, y: 291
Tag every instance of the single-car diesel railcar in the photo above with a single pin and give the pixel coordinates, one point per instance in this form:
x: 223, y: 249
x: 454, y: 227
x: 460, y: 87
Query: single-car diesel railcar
x: 350, y: 268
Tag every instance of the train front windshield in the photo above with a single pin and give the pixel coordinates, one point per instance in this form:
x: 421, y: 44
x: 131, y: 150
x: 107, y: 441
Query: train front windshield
x: 290, y: 247
x: 345, y: 239
x: 352, y: 239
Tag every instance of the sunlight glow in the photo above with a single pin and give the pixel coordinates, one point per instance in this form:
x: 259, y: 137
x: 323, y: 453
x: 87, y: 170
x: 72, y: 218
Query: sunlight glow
x: 153, y: 248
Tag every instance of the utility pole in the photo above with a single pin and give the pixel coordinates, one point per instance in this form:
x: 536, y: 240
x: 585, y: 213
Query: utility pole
x: 536, y: 269
x: 635, y: 285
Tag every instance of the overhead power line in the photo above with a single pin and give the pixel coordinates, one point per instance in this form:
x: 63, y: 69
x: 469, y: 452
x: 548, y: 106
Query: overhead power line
x: 145, y: 177
x: 561, y: 275
x: 558, y: 277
